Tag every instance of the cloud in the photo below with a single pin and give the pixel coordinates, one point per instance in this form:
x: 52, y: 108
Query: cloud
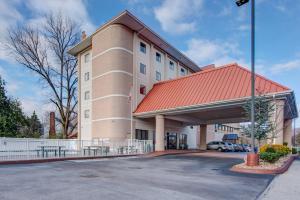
x: 226, y: 11
x: 12, y: 85
x: 9, y: 16
x: 244, y: 27
x: 177, y: 16
x: 40, y: 107
x: 205, y: 52
x: 286, y: 66
x: 32, y: 12
x: 75, y: 10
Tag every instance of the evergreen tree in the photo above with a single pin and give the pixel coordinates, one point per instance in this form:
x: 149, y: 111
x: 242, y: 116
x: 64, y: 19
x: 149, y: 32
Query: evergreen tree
x: 12, y: 118
x: 13, y: 122
x: 35, y: 126
x: 264, y: 127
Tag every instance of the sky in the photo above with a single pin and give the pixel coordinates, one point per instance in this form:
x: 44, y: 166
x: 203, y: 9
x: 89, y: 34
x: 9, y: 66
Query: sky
x: 207, y: 31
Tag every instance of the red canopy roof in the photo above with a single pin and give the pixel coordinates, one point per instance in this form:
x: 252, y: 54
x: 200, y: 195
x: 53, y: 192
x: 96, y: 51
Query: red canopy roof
x: 228, y: 82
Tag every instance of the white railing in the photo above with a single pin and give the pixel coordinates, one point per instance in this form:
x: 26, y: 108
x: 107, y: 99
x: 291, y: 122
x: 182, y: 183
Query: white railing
x: 24, y: 149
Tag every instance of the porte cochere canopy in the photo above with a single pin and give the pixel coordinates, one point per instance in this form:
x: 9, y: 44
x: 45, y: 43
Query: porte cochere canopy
x: 212, y: 95
x: 215, y: 96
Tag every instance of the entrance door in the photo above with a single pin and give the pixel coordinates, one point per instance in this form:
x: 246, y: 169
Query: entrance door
x: 183, y: 141
x: 171, y: 140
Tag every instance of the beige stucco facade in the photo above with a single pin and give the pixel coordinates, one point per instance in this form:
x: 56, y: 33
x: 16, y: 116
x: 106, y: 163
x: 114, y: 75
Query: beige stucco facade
x: 118, y: 66
x: 114, y: 84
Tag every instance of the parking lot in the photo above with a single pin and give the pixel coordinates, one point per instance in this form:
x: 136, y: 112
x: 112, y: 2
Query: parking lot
x: 166, y: 177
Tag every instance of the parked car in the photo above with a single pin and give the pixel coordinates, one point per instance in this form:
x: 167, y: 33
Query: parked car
x: 218, y: 145
x: 246, y: 147
x: 230, y: 146
x: 236, y: 147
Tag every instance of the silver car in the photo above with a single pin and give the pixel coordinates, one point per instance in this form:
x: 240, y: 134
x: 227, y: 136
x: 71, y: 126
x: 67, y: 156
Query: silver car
x: 230, y: 146
x: 218, y: 145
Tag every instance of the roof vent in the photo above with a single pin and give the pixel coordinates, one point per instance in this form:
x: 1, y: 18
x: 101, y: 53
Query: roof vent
x: 83, y: 35
x: 207, y: 67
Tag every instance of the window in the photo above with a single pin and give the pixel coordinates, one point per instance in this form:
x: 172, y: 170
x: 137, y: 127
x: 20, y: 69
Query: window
x: 87, y: 114
x: 171, y: 65
x: 141, y: 134
x: 142, y: 47
x: 87, y: 58
x: 158, y: 57
x: 182, y: 71
x: 142, y: 89
x: 87, y: 95
x: 142, y: 68
x: 87, y: 76
x: 157, y: 76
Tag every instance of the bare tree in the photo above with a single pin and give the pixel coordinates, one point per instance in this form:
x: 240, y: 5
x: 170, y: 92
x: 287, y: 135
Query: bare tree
x: 43, y: 50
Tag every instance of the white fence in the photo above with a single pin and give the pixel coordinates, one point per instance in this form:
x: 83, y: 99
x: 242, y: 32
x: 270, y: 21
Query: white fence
x: 23, y: 148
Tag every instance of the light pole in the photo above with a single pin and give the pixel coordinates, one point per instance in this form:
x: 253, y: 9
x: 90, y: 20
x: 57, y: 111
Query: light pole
x: 240, y: 3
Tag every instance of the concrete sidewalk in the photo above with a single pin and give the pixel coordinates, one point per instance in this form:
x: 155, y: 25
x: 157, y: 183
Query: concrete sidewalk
x: 285, y: 186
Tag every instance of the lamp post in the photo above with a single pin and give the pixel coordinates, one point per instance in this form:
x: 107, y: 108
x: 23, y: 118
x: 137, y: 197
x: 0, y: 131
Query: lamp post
x: 240, y: 3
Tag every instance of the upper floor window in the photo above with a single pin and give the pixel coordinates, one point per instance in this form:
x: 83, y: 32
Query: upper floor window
x: 142, y: 47
x: 142, y: 89
x: 158, y: 76
x: 142, y: 68
x: 182, y: 71
x: 171, y: 65
x: 158, y: 57
x: 86, y: 76
x: 87, y: 57
x: 87, y: 95
x: 87, y: 114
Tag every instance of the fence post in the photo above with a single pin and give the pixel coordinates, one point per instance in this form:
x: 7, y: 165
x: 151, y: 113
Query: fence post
x: 27, y: 147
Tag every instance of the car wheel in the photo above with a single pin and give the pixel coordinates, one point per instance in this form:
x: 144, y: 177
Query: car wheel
x: 220, y: 149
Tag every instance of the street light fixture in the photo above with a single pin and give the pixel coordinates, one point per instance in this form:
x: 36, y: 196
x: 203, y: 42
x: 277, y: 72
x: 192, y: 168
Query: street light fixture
x: 240, y: 3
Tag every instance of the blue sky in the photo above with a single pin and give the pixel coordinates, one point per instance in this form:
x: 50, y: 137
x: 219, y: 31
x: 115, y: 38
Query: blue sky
x: 208, y: 31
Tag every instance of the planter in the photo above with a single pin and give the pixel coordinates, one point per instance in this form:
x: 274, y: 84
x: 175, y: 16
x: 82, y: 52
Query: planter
x: 257, y: 170
x: 252, y: 159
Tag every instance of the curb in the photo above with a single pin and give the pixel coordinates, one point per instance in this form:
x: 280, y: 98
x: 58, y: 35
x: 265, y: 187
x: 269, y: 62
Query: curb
x: 164, y: 153
x: 13, y: 162
x: 278, y: 170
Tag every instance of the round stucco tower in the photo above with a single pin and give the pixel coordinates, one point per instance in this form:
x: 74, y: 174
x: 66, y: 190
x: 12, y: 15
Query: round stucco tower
x: 112, y: 50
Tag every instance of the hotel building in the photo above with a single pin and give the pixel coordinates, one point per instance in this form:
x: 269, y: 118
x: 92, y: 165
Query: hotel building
x: 132, y: 83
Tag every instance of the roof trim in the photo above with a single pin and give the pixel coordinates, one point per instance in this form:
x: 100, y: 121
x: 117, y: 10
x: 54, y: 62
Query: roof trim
x: 216, y: 104
x: 142, y: 29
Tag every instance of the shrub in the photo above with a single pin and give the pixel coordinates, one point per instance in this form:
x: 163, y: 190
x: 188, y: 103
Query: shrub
x: 294, y: 150
x: 270, y: 149
x: 269, y: 156
x: 280, y: 149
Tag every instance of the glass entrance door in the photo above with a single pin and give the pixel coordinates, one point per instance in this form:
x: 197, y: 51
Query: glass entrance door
x: 171, y: 139
x: 183, y: 141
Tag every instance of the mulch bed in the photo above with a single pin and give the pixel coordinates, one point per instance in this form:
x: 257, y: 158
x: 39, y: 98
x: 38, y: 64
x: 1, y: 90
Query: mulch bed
x: 278, y: 167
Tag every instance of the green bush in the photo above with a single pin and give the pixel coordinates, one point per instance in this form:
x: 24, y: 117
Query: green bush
x: 269, y: 156
x: 270, y: 150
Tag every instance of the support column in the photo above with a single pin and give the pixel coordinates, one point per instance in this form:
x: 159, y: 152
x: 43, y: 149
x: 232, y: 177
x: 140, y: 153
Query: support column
x: 159, y: 133
x: 287, y: 132
x: 203, y: 132
x: 278, y: 118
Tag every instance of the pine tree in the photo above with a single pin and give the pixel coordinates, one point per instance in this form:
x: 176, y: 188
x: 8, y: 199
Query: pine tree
x: 12, y: 119
x: 264, y: 127
x: 35, y: 126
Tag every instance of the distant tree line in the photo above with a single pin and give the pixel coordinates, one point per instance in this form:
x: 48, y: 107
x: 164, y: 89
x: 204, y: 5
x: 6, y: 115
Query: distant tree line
x: 13, y: 122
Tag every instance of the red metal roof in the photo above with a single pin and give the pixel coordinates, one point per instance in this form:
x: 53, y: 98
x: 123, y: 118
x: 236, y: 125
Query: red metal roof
x: 228, y: 82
